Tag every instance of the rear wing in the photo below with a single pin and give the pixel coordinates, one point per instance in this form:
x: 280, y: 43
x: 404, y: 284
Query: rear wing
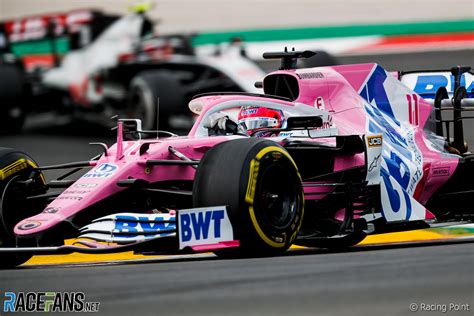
x: 450, y: 92
x: 427, y: 82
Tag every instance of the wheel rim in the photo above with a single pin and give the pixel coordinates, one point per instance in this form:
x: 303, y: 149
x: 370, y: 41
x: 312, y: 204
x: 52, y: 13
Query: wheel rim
x: 278, y: 196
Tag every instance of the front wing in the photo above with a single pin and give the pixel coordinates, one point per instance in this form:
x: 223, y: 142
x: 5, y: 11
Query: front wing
x: 194, y: 231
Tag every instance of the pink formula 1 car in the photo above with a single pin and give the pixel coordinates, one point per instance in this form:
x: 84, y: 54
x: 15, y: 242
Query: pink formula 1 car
x: 326, y: 156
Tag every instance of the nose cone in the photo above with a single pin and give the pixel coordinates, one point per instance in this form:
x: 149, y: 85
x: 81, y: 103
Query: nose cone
x: 38, y: 223
x: 94, y: 186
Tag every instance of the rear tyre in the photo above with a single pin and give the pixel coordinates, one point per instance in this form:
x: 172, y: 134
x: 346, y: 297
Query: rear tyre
x: 259, y: 182
x: 145, y: 89
x: 16, y: 167
x: 13, y: 98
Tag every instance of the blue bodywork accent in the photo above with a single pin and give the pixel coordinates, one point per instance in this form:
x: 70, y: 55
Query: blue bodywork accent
x: 382, y: 120
x: 427, y: 85
x: 134, y: 225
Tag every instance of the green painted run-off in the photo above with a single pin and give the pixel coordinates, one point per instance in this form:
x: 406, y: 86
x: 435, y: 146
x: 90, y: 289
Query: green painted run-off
x: 265, y: 35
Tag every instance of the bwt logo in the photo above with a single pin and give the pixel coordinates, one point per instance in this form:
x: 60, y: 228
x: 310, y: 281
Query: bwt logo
x: 103, y: 171
x: 198, y: 225
x: 105, y: 168
x: 204, y: 226
x: 374, y: 141
x: 135, y: 226
x: 249, y: 112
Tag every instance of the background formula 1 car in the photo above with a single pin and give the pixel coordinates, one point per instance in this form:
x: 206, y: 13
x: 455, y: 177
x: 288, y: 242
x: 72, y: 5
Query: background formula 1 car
x: 112, y: 65
x: 357, y: 154
x: 32, y: 45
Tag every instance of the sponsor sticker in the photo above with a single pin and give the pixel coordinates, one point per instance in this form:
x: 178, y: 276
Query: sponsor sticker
x: 29, y: 225
x: 74, y: 198
x: 85, y: 185
x: 310, y: 75
x: 374, y: 158
x: 13, y: 168
x: 319, y: 103
x: 130, y: 227
x: 374, y: 163
x: 249, y: 111
x: 151, y: 225
x: 441, y: 172
x: 204, y: 226
x: 374, y: 141
x: 51, y: 210
x: 76, y: 192
x: 105, y: 170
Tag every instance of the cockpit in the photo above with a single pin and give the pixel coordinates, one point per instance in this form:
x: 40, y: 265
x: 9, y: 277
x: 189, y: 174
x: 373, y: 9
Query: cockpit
x: 251, y: 113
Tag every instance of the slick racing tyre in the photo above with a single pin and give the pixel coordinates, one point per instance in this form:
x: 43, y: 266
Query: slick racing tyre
x: 12, y: 99
x: 15, y: 168
x: 259, y: 183
x: 144, y: 91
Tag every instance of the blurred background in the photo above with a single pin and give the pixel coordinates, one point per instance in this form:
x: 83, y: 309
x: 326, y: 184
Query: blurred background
x: 217, y: 15
x: 64, y: 72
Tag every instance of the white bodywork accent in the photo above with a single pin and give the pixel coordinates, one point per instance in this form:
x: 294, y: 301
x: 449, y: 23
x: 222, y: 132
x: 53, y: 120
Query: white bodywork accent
x: 402, y: 161
x: 374, y: 158
x: 129, y: 227
x: 241, y: 70
x: 204, y: 226
x: 430, y: 81
x: 78, y: 67
x: 103, y: 53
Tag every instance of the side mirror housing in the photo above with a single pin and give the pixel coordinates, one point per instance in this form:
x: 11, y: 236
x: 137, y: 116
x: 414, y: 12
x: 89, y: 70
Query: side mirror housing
x: 304, y: 122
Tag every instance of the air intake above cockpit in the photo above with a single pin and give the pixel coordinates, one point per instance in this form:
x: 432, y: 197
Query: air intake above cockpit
x: 283, y: 85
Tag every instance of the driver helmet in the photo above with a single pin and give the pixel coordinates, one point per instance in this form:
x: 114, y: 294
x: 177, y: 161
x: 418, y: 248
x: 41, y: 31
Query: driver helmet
x: 255, y: 118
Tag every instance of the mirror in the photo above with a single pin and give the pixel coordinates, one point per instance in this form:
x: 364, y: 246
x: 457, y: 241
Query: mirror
x: 304, y: 122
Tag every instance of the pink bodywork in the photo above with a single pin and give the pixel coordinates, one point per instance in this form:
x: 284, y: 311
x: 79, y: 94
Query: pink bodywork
x: 339, y: 87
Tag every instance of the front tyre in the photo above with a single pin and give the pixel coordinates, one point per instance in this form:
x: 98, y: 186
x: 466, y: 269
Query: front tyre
x: 15, y: 168
x: 259, y: 182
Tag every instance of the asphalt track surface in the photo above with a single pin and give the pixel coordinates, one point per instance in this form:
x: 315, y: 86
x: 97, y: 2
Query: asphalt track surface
x: 366, y: 281
x: 371, y: 280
